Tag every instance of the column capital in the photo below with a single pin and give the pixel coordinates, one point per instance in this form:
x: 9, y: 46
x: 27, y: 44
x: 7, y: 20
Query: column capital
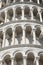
x: 13, y: 29
x: 22, y: 7
x: 5, y: 11
x: 37, y: 57
x: 33, y: 28
x: 39, y: 10
x: 4, y: 30
x: 14, y: 8
x: 12, y: 58
x: 23, y: 27
x: 25, y: 56
x: 31, y: 8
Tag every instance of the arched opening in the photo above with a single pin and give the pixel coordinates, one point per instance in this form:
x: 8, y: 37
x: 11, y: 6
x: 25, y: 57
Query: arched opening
x: 18, y: 12
x: 40, y: 1
x: 3, y: 3
x: 29, y: 36
x: 19, y: 59
x: 26, y: 0
x: 2, y: 17
x: 17, y: 0
x: 27, y: 12
x: 41, y: 60
x: 35, y: 1
x: 38, y: 32
x: 6, y: 60
x: 1, y: 39
x: 30, y: 59
x: 35, y: 14
x: 19, y: 34
x: 10, y: 14
x: 8, y: 36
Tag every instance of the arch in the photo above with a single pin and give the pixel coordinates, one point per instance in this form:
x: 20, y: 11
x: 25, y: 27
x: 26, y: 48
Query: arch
x: 29, y: 51
x: 19, y: 58
x: 19, y: 34
x: 35, y: 13
x: 5, y: 54
x: 27, y: 13
x: 6, y: 60
x: 10, y: 14
x: 29, y: 36
x: 40, y: 1
x: 18, y: 51
x: 8, y: 36
x: 30, y: 58
x: 38, y: 31
x: 18, y: 12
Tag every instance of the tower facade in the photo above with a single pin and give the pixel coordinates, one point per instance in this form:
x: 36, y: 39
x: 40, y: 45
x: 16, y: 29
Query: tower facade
x: 21, y: 32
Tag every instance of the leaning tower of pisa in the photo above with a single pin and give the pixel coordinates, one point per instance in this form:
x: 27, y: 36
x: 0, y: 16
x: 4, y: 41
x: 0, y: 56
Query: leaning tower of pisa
x: 21, y: 32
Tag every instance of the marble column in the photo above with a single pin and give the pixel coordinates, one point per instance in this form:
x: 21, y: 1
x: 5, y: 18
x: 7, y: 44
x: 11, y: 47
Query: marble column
x: 4, y: 36
x: 22, y: 13
x: 39, y: 11
x: 13, y: 36
x: 38, y: 2
x: 36, y: 61
x: 0, y: 3
x: 5, y: 16
x: 0, y: 62
x: 24, y: 38
x: 31, y: 11
x: 34, y: 36
x: 24, y: 60
x: 12, y: 61
x: 13, y: 14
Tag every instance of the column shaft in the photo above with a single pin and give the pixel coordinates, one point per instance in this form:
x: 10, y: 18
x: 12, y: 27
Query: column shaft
x: 22, y: 13
x: 36, y: 61
x: 24, y: 60
x: 5, y: 16
x: 34, y: 36
x: 24, y: 39
x: 4, y: 35
x: 12, y: 61
x: 13, y: 14
x: 40, y: 16
x: 13, y: 37
x: 0, y: 4
x: 38, y: 2
x: 31, y: 13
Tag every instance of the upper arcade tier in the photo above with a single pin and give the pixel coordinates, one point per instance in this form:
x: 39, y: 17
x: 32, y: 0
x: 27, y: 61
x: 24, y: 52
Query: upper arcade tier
x: 4, y: 3
x: 16, y: 12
